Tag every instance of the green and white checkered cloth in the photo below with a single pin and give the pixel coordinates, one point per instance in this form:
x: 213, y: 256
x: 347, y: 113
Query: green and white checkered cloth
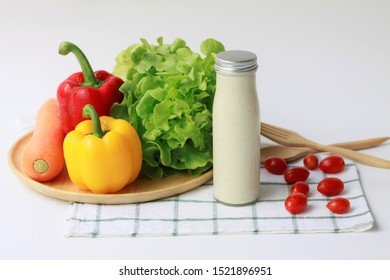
x: 197, y: 212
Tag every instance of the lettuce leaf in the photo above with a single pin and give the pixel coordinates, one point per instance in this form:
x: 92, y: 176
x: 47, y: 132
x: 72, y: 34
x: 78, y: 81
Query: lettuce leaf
x: 169, y: 92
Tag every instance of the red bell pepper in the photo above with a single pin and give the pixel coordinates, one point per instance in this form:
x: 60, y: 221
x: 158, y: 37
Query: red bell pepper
x: 100, y: 89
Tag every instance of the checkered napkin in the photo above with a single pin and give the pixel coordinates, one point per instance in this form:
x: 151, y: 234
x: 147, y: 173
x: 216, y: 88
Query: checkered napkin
x: 197, y: 212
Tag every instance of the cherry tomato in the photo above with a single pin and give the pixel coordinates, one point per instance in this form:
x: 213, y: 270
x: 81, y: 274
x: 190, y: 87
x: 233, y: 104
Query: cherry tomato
x: 332, y: 164
x: 300, y: 187
x: 310, y: 161
x: 330, y: 186
x: 296, y: 203
x: 339, y: 205
x: 275, y: 165
x: 296, y: 174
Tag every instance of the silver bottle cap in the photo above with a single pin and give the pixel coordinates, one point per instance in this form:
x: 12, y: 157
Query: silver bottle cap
x: 235, y: 61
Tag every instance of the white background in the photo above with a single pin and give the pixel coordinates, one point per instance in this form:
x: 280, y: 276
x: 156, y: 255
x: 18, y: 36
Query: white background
x: 324, y: 71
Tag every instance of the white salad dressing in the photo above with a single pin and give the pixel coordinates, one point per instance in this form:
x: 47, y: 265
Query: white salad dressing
x: 236, y: 129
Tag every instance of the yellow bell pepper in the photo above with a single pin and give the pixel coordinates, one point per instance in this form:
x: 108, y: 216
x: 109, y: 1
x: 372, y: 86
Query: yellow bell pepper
x: 103, y: 154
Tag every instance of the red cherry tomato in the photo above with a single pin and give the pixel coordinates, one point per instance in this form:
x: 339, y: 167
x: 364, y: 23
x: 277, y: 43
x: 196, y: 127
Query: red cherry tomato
x: 339, y: 205
x: 330, y: 186
x: 275, y: 165
x: 332, y: 164
x: 300, y: 187
x: 310, y: 161
x: 296, y: 174
x: 296, y: 203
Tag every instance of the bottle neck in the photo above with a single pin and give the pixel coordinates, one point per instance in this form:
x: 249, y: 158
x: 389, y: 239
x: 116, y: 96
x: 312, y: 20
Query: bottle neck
x: 249, y: 74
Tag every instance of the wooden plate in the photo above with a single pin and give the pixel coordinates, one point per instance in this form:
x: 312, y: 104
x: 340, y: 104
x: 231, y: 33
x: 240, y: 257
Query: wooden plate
x: 142, y: 190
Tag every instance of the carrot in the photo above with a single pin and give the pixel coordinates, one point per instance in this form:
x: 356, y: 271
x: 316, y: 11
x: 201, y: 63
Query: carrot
x: 43, y: 157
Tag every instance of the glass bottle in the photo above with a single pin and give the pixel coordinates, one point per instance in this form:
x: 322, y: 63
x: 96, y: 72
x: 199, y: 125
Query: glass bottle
x: 236, y: 129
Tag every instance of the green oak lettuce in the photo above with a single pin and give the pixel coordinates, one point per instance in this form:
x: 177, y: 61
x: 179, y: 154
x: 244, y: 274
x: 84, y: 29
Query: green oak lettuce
x: 168, y: 97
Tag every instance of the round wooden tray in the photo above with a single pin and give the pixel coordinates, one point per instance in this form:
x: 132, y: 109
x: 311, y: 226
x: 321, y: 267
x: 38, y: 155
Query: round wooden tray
x: 142, y: 190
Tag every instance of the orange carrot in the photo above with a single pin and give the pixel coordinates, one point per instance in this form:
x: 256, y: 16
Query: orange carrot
x: 43, y: 157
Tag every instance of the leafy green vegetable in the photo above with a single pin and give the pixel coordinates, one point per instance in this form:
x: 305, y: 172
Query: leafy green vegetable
x: 169, y: 92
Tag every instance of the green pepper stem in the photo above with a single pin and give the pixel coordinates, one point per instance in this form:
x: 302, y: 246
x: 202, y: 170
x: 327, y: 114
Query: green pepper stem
x: 89, y: 76
x: 90, y: 112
